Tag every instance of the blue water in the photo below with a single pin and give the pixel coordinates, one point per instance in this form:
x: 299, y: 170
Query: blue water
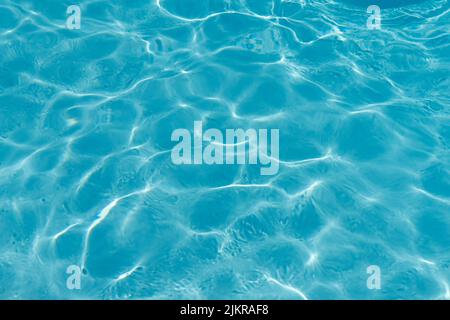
x: 86, y: 177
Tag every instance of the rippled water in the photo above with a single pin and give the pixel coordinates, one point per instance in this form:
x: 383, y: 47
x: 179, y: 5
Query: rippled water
x: 86, y: 177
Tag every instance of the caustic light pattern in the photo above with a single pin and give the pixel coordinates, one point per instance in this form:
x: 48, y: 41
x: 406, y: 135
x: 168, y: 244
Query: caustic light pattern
x: 92, y: 205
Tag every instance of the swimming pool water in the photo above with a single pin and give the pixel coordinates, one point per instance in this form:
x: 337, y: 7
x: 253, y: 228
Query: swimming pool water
x: 86, y: 177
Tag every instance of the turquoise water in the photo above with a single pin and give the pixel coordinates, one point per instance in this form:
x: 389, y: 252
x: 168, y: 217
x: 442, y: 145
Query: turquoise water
x: 86, y: 177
